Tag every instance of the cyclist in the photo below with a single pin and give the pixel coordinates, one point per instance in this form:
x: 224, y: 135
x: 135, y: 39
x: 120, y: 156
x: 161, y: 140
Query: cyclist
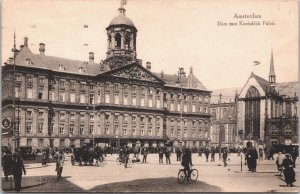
x: 126, y: 155
x: 187, y: 161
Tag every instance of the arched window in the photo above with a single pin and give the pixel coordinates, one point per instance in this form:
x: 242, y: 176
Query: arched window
x: 127, y: 41
x: 118, y: 41
x: 109, y: 41
x: 224, y: 112
x: 252, y: 92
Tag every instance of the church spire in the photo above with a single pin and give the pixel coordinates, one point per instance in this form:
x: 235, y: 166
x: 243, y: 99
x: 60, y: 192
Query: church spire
x: 272, y: 76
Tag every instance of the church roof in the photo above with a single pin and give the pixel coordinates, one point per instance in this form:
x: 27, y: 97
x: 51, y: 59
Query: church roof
x: 288, y: 88
x: 266, y: 85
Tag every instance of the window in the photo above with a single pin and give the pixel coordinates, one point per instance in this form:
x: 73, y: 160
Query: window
x: 157, y: 91
x: 41, y: 142
x: 193, y: 108
x: 71, y: 131
x: 274, y: 130
x: 40, y: 127
x: 125, y: 118
x: 29, y: 142
x: 72, y: 116
x: 29, y: 127
x: 116, y: 129
x: 81, y: 116
x: 142, y: 101
x: 30, y: 79
x: 142, y: 119
x: 61, y: 129
x: 133, y: 130
x: 18, y: 78
x: 172, y: 96
x: 157, y: 131
x: 116, y: 99
x: 133, y: 118
x: 51, y: 128
x: 134, y: 101
x: 150, y: 131
x: 150, y: 119
x: 51, y: 95
x: 185, y: 123
x: 17, y: 92
x: 124, y: 129
x: 125, y: 100
x: 118, y: 41
x: 116, y: 87
x: 157, y: 103
x: 178, y: 107
x: 91, y: 87
x: 106, y: 97
x: 72, y: 97
x: 142, y: 131
x: 172, y: 132
x: 91, y: 117
x: 82, y: 85
x: 206, y: 99
x: 178, y: 132
x: 288, y: 130
x: 29, y: 113
x: 185, y: 107
x: 82, y: 98
x: 184, y: 97
x: 62, y: 97
x: 172, y: 106
x: 107, y: 117
x: 273, y: 141
x: 193, y: 97
x: 185, y: 133
x: 72, y: 85
x: 40, y: 114
x: 61, y: 115
x: 106, y: 129
x: 29, y: 93
x: 92, y: 97
x: 62, y: 84
x: 62, y: 142
x: 81, y: 129
x: 150, y: 91
x: 40, y: 94
x: 150, y: 102
x: 91, y: 129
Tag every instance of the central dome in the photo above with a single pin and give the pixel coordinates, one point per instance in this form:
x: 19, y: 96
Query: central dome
x: 121, y: 20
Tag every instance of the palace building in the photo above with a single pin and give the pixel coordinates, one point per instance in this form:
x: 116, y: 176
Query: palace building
x: 54, y: 101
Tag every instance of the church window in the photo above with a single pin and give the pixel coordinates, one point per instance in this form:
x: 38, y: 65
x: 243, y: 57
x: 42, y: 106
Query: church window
x: 288, y: 130
x: 118, y: 40
x: 127, y: 41
x: 274, y: 130
x: 288, y: 110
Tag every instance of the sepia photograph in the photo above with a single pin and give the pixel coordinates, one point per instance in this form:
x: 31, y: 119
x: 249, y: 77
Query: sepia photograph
x: 141, y: 96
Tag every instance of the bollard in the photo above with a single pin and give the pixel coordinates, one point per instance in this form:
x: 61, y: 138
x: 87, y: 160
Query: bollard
x: 241, y: 163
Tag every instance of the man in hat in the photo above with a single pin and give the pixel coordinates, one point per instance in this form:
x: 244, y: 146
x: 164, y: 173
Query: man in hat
x: 289, y: 173
x: 187, y: 161
x: 17, y: 168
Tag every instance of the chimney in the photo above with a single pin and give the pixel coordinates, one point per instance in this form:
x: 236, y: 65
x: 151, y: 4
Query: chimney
x: 25, y: 41
x: 148, y: 65
x: 91, y: 57
x: 42, y: 48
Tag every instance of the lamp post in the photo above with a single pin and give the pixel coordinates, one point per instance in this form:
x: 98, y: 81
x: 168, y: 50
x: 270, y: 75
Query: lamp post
x: 220, y: 126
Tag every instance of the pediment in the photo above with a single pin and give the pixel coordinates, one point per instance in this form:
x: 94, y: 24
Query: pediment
x: 135, y: 71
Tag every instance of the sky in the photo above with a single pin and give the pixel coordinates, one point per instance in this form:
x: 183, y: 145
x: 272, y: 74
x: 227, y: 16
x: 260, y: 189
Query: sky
x: 171, y: 34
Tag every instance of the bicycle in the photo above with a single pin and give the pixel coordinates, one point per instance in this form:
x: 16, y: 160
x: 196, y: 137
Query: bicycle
x: 182, y: 176
x: 126, y: 161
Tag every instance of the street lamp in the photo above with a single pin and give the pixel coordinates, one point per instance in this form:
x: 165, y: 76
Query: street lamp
x: 220, y: 126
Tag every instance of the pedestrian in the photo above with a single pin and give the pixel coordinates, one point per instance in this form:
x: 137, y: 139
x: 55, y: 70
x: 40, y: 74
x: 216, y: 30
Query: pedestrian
x: 6, y: 163
x: 261, y: 154
x: 289, y: 173
x: 206, y: 152
x: 145, y: 154
x: 161, y: 155
x: 248, y: 159
x: 253, y: 159
x: 168, y: 154
x: 178, y: 154
x: 279, y: 162
x: 224, y: 156
x: 17, y: 167
x: 294, y: 154
x: 213, y: 151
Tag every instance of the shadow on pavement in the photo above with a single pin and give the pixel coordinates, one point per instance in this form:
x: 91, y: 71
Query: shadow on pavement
x: 168, y: 184
x: 42, y: 184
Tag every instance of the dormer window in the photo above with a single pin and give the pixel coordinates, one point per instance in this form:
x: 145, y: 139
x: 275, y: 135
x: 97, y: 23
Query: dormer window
x: 61, y: 67
x: 29, y: 62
